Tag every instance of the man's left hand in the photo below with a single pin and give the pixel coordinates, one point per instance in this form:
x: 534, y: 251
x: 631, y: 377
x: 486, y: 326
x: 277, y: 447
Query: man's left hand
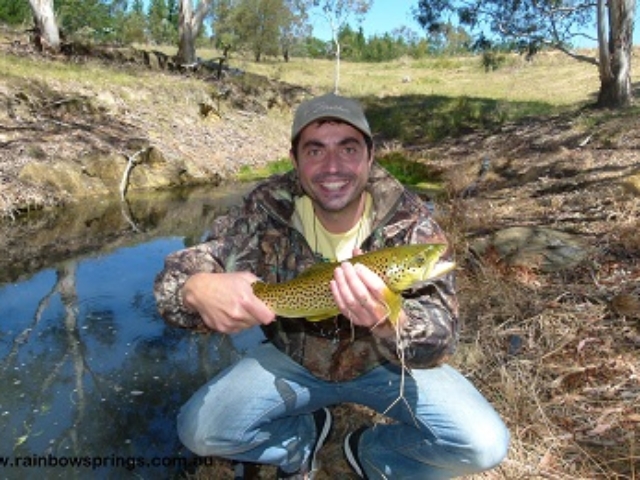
x: 358, y: 292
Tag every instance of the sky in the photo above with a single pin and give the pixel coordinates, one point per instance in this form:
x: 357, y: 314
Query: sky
x: 387, y: 15
x: 383, y: 17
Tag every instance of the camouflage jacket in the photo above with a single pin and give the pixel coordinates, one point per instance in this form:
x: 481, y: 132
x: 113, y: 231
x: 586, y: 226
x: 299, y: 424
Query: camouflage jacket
x: 259, y: 237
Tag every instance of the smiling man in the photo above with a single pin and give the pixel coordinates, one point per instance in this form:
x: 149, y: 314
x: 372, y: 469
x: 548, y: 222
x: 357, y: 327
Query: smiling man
x: 273, y: 405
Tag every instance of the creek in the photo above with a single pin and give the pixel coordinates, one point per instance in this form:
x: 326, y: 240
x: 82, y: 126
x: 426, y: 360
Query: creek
x: 92, y: 378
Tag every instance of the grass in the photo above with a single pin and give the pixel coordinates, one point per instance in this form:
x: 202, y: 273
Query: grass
x: 249, y: 174
x: 419, y: 101
x: 517, y: 81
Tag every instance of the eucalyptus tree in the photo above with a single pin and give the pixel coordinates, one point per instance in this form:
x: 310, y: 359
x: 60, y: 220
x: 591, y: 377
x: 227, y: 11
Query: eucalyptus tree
x: 91, y: 19
x: 224, y: 31
x: 162, y: 24
x: 190, y: 21
x: 556, y: 24
x: 337, y: 13
x: 295, y: 25
x: 14, y: 12
x: 259, y: 23
x: 45, y: 23
x: 132, y: 26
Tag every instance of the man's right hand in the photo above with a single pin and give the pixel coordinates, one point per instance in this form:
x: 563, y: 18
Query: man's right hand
x: 226, y: 301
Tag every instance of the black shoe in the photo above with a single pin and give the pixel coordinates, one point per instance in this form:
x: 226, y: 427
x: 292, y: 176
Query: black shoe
x: 350, y: 446
x: 324, y: 421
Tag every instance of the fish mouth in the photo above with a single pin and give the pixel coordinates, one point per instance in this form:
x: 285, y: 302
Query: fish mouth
x: 440, y: 268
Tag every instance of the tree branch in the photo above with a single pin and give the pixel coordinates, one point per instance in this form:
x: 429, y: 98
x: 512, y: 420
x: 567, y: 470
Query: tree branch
x: 131, y: 162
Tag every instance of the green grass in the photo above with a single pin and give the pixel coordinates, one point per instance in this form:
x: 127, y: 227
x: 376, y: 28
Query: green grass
x: 414, y: 174
x: 249, y: 173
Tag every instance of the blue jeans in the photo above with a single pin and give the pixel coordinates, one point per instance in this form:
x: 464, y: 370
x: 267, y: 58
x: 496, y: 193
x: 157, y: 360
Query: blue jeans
x: 259, y: 410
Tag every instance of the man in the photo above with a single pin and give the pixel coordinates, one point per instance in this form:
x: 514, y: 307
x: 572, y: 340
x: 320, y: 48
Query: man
x: 271, y: 406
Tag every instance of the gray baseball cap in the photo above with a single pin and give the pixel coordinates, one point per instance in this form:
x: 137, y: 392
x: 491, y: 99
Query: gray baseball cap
x: 330, y: 105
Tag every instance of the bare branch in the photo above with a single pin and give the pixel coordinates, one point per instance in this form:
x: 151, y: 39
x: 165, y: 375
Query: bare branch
x: 131, y: 162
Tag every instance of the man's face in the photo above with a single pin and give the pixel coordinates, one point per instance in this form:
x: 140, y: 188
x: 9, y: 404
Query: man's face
x: 333, y: 165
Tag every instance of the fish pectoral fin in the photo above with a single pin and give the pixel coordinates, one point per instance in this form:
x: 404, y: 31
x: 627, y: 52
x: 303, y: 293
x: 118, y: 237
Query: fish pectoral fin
x: 393, y: 302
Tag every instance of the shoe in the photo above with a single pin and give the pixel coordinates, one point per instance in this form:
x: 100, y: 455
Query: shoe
x: 324, y: 421
x: 350, y: 447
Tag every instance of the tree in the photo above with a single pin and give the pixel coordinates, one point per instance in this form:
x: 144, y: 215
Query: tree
x: 295, y: 26
x: 224, y: 31
x: 161, y: 29
x: 48, y: 33
x: 84, y: 17
x: 614, y: 51
x: 337, y: 14
x: 533, y: 24
x: 14, y: 13
x: 258, y: 24
x: 132, y: 25
x: 189, y: 26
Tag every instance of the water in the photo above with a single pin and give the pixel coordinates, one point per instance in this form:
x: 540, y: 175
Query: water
x: 92, y: 378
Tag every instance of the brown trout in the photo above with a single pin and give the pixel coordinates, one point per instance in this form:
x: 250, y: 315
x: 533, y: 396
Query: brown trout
x: 309, y: 294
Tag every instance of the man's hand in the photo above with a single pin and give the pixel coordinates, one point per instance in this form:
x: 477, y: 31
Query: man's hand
x: 358, y: 292
x: 226, y: 301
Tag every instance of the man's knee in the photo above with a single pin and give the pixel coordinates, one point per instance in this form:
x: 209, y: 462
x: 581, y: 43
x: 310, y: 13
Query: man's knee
x: 189, y: 432
x: 489, y: 448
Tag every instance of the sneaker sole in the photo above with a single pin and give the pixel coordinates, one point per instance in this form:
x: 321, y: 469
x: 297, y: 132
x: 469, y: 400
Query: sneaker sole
x: 322, y: 437
x: 350, y: 456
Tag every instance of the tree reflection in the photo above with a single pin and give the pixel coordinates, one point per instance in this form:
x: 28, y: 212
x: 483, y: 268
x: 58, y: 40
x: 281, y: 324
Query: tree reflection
x: 97, y: 377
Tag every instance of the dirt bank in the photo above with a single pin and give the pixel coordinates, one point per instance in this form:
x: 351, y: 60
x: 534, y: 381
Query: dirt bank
x: 69, y: 126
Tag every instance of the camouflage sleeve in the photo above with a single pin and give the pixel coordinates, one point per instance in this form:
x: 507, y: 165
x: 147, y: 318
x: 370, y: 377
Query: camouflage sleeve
x: 178, y: 267
x: 230, y: 234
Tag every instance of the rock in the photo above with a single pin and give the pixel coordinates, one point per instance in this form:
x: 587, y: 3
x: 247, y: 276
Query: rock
x: 101, y: 174
x: 107, y: 168
x: 64, y: 176
x: 534, y: 247
x: 626, y: 305
x: 631, y: 184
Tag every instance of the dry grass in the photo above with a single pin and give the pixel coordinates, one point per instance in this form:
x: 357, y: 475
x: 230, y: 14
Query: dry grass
x: 555, y: 353
x: 518, y: 80
x: 552, y: 353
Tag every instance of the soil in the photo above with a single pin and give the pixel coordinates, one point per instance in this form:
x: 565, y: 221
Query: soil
x: 568, y: 340
x: 71, y: 137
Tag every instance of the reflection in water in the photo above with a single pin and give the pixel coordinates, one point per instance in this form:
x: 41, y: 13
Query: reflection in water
x: 91, y: 374
x: 41, y: 239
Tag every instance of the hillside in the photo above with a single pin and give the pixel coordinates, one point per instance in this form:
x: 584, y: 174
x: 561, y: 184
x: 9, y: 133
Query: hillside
x: 71, y: 124
x: 555, y: 346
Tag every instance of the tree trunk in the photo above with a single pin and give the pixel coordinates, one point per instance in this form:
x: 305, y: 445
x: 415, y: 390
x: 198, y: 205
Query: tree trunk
x: 615, y: 52
x: 47, y: 36
x: 189, y: 27
x: 336, y: 42
x: 186, y: 41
